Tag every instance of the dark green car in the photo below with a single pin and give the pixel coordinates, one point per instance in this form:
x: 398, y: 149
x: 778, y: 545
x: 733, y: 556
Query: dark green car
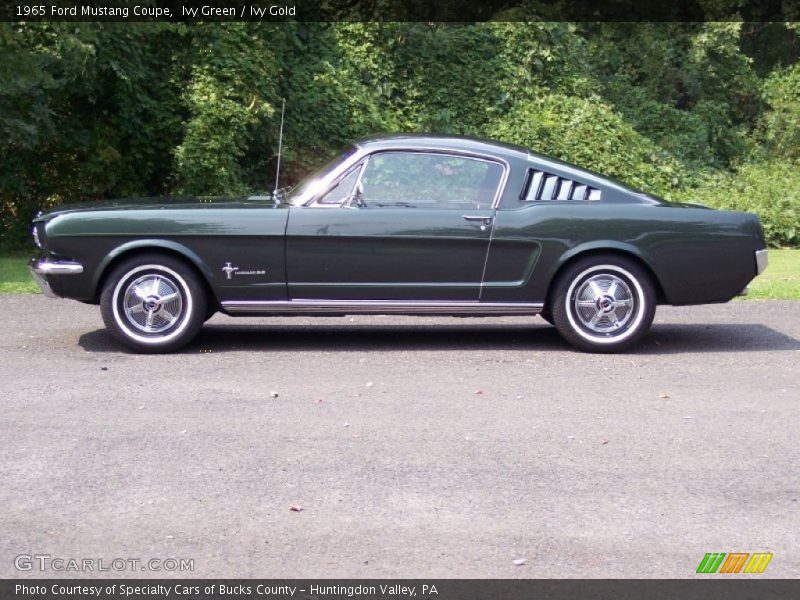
x: 403, y: 225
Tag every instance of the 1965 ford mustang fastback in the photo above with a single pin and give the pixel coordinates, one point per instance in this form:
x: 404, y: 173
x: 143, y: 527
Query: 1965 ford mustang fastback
x: 403, y: 225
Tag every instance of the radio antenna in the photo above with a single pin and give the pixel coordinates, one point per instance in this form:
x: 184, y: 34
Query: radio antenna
x: 280, y: 148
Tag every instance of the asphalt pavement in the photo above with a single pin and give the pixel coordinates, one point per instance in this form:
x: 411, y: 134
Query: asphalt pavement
x: 399, y: 447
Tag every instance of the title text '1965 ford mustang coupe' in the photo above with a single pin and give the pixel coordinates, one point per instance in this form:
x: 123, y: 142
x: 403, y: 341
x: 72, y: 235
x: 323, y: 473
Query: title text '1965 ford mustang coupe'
x: 412, y: 225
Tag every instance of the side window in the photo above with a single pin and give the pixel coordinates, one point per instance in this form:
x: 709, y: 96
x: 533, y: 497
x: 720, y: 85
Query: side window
x: 341, y: 190
x: 429, y: 180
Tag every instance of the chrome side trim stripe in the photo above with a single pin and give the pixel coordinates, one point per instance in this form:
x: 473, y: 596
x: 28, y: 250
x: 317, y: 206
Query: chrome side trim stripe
x: 378, y: 307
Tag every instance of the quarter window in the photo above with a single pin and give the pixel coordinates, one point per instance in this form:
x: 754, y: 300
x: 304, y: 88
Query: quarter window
x: 429, y: 180
x: 340, y: 192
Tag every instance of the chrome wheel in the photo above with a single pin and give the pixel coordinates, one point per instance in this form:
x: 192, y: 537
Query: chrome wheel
x: 604, y: 303
x: 153, y: 303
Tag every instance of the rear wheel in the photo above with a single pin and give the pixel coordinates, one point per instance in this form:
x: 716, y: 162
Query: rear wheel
x: 153, y: 303
x: 604, y: 303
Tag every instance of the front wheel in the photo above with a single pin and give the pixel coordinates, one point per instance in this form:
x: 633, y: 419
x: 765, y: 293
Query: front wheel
x: 153, y: 303
x: 604, y: 303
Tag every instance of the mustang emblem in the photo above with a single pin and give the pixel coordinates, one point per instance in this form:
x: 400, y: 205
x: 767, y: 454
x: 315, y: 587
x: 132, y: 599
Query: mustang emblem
x: 229, y: 270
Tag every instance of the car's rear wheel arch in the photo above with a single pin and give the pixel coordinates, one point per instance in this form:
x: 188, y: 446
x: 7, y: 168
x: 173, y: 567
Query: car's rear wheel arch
x: 609, y: 252
x: 603, y: 302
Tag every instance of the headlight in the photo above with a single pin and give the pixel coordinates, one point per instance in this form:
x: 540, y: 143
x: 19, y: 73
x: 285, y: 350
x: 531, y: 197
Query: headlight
x: 35, y: 232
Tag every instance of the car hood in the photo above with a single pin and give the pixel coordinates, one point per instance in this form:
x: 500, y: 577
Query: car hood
x: 160, y: 203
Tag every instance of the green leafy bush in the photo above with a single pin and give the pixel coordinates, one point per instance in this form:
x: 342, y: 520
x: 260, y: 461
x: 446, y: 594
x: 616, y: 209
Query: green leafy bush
x: 780, y: 125
x: 687, y: 86
x: 590, y: 134
x: 769, y: 189
x: 97, y: 110
x: 228, y: 93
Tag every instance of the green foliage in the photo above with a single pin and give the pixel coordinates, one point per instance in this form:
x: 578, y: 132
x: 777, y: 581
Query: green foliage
x: 781, y: 280
x: 94, y: 110
x: 780, y: 125
x: 96, y: 107
x: 227, y: 97
x: 38, y: 64
x: 694, y: 74
x: 36, y: 67
x: 590, y: 134
x: 769, y: 189
x: 326, y: 74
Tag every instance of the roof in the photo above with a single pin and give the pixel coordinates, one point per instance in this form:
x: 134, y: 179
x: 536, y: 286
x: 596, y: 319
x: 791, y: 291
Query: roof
x: 444, y: 142
x: 502, y: 151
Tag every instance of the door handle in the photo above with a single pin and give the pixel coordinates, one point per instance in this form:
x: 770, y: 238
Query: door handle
x: 484, y: 221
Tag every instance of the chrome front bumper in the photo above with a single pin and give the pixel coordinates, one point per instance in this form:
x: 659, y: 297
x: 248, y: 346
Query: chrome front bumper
x: 761, y: 261
x: 42, y: 267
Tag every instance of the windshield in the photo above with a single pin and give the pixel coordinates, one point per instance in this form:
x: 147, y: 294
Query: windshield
x: 311, y: 184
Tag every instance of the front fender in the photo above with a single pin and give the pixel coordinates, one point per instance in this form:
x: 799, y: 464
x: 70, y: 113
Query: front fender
x: 151, y: 244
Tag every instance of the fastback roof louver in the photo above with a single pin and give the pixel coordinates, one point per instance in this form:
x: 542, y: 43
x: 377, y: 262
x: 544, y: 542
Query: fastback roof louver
x: 540, y: 185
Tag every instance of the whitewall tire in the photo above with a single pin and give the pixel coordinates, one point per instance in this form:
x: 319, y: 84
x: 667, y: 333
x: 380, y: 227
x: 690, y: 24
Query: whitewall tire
x: 603, y: 303
x: 153, y: 303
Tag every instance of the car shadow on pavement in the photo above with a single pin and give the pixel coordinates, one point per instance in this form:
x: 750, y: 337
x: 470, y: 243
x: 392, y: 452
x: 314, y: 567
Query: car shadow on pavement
x: 352, y: 338
x: 699, y: 337
x: 663, y: 339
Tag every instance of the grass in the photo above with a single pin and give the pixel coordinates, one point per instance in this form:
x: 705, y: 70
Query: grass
x: 781, y: 280
x: 14, y: 275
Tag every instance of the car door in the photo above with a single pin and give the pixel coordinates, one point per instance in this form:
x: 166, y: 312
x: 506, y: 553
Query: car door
x: 400, y: 225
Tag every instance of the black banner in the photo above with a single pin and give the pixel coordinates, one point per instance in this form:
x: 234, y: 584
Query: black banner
x: 398, y: 10
x: 408, y: 589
